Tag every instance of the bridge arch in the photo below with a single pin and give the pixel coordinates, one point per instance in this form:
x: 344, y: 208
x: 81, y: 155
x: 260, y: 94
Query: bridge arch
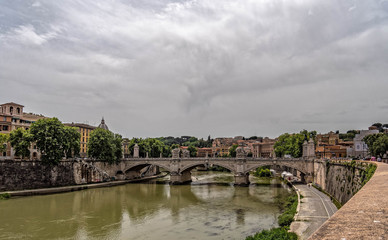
x: 143, y: 165
x: 194, y: 165
x: 282, y: 164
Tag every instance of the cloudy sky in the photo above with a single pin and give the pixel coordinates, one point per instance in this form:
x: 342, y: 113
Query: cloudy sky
x: 199, y: 67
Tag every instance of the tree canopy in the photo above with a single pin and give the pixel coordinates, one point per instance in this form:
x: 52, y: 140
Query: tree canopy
x: 105, y: 146
x: 20, y: 140
x: 55, y: 140
x: 377, y: 144
x: 292, y: 144
x: 154, y: 147
x: 232, y: 150
x: 3, y: 141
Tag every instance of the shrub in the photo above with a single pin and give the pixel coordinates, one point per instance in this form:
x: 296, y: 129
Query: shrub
x: 273, y: 234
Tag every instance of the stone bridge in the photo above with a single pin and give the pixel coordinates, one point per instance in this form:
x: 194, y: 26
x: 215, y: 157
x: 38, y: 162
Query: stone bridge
x: 179, y: 168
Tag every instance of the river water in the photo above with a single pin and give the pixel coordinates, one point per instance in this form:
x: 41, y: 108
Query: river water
x: 202, y: 210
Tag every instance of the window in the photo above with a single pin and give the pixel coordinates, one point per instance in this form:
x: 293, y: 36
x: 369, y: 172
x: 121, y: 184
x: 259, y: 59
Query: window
x: 11, y: 110
x: 18, y: 110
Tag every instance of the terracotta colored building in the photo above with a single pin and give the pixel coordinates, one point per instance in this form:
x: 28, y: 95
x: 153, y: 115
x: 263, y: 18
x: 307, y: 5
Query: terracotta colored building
x: 331, y: 151
x: 201, y: 152
x: 264, y: 149
x: 13, y: 117
x: 84, y: 130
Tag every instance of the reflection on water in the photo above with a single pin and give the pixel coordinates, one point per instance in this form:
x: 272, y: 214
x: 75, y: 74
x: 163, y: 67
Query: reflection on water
x: 145, y: 211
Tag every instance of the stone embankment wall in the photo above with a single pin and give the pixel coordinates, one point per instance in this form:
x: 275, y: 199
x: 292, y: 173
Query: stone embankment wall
x: 364, y: 216
x: 341, y: 179
x: 18, y: 175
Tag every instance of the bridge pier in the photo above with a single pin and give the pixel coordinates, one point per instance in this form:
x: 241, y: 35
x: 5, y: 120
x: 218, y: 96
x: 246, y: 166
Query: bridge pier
x: 241, y: 179
x: 180, y: 178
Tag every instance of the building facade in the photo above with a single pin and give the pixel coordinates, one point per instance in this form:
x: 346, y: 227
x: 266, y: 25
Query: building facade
x: 84, y: 130
x: 360, y: 149
x: 12, y: 116
x: 264, y: 149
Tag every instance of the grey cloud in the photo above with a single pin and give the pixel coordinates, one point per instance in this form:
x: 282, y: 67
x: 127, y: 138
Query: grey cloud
x: 197, y: 67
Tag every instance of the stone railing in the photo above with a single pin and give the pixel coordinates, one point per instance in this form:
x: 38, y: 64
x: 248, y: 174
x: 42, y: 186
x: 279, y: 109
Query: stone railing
x: 364, y: 216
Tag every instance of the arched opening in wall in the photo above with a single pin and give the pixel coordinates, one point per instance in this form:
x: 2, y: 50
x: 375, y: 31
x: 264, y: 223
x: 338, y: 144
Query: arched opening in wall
x: 34, y: 155
x: 290, y: 173
x: 11, y: 110
x: 208, y: 173
x: 18, y: 110
x: 141, y: 171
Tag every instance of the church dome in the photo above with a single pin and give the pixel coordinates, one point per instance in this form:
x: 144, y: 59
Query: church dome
x: 103, y: 125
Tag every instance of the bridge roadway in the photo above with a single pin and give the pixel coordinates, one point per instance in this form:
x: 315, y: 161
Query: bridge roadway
x: 179, y: 168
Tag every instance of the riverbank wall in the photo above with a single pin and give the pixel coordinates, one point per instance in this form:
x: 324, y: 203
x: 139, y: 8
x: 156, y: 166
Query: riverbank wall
x: 21, y: 175
x: 17, y: 175
x: 364, y: 216
x: 341, y: 179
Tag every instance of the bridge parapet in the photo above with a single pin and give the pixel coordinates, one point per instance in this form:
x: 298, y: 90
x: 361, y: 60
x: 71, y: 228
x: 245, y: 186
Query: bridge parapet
x: 180, y: 167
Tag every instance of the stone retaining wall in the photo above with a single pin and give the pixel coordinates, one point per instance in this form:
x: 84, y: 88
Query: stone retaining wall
x: 342, y: 182
x: 365, y: 215
x: 18, y: 175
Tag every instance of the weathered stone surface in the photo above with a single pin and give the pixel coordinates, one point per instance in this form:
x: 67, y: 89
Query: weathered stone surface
x: 18, y: 175
x: 364, y: 216
x: 175, y: 153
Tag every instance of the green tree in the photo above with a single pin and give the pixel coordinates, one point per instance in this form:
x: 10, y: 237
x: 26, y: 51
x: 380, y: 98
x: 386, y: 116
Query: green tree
x: 154, y: 147
x: 71, y: 142
x: 105, y: 146
x: 118, y: 150
x: 292, y: 144
x: 377, y: 144
x: 379, y: 126
x: 20, y: 140
x: 193, y: 151
x: 232, y: 150
x: 3, y: 142
x: 263, y: 172
x: 54, y: 140
x: 174, y: 146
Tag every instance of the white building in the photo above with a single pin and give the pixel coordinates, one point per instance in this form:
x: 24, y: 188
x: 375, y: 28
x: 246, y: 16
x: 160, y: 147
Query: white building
x: 360, y: 149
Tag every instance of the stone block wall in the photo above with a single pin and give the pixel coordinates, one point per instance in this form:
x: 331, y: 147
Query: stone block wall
x: 342, y: 181
x: 19, y: 175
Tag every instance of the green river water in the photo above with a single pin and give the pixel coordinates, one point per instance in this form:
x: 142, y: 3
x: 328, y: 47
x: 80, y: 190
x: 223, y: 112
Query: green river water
x: 202, y: 210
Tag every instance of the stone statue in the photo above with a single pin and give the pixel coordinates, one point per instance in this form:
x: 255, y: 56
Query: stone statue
x: 136, y: 151
x: 240, y: 153
x: 175, y: 153
x: 185, y: 153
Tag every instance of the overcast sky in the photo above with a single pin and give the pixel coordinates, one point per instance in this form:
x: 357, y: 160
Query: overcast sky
x: 224, y: 68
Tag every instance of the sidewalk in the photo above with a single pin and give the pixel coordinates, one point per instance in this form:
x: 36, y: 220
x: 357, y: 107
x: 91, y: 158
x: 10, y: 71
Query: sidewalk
x: 315, y: 209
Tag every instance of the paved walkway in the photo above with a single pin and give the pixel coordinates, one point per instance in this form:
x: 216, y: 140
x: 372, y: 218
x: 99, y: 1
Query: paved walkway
x: 315, y: 209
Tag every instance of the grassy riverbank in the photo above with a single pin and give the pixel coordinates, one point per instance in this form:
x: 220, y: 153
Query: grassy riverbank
x: 288, y: 205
